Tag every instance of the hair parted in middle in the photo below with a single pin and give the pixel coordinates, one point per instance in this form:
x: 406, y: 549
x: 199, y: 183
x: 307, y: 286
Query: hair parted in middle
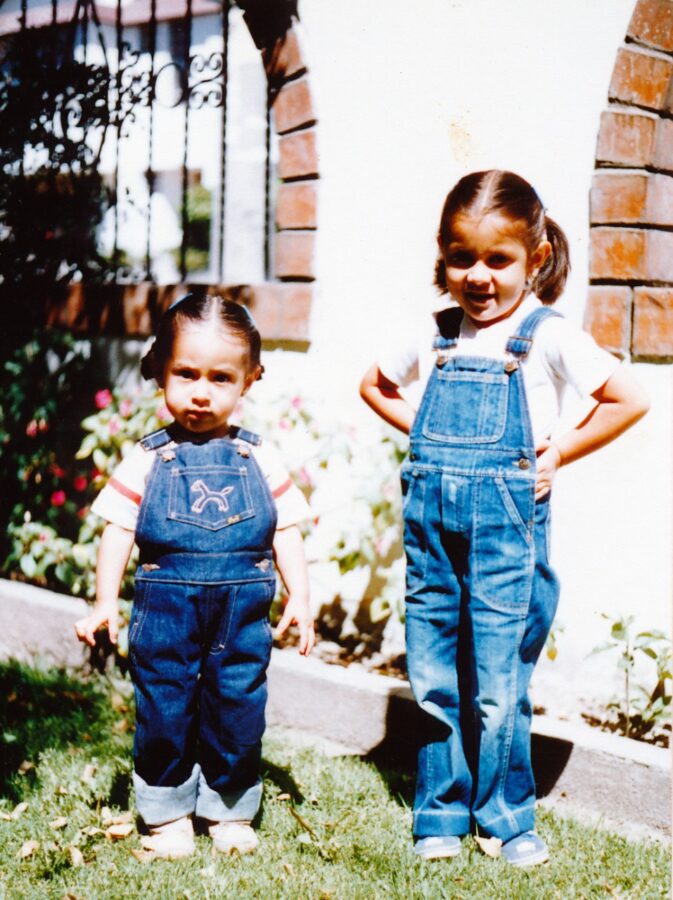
x: 511, y: 196
x: 223, y: 313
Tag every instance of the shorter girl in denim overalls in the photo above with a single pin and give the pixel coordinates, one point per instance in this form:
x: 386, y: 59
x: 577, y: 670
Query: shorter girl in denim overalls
x: 481, y: 594
x: 210, y: 508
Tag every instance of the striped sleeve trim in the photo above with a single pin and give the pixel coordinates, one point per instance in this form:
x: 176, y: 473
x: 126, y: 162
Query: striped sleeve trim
x: 279, y: 491
x: 124, y: 491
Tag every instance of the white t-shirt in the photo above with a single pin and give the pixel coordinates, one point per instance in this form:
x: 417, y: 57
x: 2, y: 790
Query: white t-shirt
x: 119, y: 501
x: 561, y: 355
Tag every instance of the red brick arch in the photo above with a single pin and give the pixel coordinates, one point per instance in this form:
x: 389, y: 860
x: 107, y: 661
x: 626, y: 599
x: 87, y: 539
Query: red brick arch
x: 630, y: 305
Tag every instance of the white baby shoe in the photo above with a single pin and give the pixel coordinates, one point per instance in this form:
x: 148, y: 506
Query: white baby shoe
x: 233, y: 837
x: 171, y: 840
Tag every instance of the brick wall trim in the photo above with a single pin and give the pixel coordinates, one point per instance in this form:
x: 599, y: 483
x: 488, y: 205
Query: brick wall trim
x: 630, y: 304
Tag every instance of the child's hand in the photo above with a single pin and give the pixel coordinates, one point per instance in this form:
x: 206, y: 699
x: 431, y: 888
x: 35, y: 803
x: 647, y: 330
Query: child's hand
x: 548, y: 463
x: 297, y: 612
x: 100, y: 616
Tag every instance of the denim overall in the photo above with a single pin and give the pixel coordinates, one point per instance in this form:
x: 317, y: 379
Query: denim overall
x: 199, y: 637
x: 481, y: 595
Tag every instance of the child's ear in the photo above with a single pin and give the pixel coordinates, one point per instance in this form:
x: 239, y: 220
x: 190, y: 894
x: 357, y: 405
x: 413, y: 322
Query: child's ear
x: 251, y: 378
x: 540, y: 255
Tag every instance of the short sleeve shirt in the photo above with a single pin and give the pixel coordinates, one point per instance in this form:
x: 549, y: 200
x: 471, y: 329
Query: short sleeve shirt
x: 119, y: 501
x: 561, y: 355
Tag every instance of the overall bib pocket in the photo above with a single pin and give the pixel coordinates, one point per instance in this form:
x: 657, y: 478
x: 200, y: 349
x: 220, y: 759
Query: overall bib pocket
x: 210, y: 497
x: 481, y: 419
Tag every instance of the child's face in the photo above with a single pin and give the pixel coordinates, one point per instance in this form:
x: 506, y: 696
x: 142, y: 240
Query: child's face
x: 487, y: 266
x: 205, y: 378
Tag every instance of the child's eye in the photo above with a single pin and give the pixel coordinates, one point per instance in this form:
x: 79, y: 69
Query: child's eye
x: 222, y: 378
x: 498, y: 260
x: 459, y: 259
x: 185, y: 373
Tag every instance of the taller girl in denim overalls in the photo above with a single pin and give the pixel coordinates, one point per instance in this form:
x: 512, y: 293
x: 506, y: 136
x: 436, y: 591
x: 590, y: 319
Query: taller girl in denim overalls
x: 481, y: 594
x: 202, y: 499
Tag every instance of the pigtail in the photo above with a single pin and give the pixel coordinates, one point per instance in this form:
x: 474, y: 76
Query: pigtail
x: 440, y: 275
x: 552, y: 277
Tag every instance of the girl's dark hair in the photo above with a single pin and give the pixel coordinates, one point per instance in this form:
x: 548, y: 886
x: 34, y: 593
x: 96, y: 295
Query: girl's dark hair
x: 509, y: 195
x: 226, y: 314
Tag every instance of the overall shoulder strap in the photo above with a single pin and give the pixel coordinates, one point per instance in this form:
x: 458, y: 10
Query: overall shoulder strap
x: 156, y: 439
x: 236, y: 433
x: 519, y: 344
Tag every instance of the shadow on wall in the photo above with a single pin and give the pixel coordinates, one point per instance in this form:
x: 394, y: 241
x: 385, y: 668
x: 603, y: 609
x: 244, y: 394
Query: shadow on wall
x: 407, y: 726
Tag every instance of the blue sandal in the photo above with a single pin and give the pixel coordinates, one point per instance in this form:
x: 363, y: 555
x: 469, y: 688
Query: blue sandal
x: 525, y: 849
x: 440, y: 847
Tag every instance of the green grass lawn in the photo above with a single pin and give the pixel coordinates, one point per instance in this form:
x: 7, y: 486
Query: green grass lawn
x: 330, y: 828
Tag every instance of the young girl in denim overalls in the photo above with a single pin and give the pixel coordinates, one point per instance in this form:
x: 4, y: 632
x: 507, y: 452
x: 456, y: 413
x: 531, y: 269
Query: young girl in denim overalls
x: 481, y: 594
x: 210, y: 509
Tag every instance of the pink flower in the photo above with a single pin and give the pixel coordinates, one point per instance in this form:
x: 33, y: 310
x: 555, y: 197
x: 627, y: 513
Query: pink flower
x: 296, y: 403
x: 285, y: 424
x: 80, y: 483
x: 42, y: 537
x: 31, y: 428
x: 304, y: 477
x: 125, y: 407
x: 103, y: 398
x: 58, y: 498
x: 113, y: 425
x: 163, y: 413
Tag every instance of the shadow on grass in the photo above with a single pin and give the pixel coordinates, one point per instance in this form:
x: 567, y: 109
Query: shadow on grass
x: 45, y: 709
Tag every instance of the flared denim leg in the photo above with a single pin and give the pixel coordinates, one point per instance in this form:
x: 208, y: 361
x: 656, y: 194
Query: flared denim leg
x: 504, y: 804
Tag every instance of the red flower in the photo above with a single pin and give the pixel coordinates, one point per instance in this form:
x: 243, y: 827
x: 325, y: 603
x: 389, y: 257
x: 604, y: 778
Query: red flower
x: 57, y: 471
x: 103, y: 398
x: 31, y: 428
x: 58, y: 498
x: 80, y: 483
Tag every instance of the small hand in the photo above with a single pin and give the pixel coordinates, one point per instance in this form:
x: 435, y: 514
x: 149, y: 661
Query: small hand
x: 100, y: 616
x: 548, y: 463
x: 297, y: 612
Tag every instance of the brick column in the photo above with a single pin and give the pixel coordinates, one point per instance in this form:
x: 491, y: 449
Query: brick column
x: 630, y: 304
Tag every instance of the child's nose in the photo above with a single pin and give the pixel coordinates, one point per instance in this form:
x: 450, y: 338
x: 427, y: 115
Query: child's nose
x: 479, y: 273
x: 200, y: 392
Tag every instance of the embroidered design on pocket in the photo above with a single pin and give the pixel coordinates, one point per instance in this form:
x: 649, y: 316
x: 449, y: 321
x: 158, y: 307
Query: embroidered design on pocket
x: 219, y: 498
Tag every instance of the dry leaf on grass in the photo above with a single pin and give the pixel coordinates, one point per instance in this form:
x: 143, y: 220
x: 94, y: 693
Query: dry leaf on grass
x: 15, y: 813
x: 120, y: 819
x: 284, y: 797
x: 28, y: 848
x: 58, y: 822
x: 88, y: 772
x: 26, y: 767
x: 60, y: 790
x: 119, y: 832
x: 119, y: 703
x: 490, y: 846
x: 143, y: 856
x: 76, y: 858
x: 92, y: 830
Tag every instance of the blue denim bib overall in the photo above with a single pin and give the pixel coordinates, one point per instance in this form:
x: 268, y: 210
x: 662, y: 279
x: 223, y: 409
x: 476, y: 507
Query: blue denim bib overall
x: 199, y: 637
x: 481, y: 595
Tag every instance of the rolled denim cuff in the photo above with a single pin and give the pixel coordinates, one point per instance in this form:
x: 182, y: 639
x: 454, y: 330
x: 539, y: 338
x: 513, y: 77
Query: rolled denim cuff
x: 236, y: 806
x: 157, y: 805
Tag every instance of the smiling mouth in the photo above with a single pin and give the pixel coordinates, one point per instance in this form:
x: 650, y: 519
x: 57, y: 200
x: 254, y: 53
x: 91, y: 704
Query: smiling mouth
x: 477, y: 297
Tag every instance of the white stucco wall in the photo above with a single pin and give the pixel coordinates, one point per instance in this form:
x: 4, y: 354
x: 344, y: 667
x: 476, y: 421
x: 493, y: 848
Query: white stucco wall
x: 409, y: 98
